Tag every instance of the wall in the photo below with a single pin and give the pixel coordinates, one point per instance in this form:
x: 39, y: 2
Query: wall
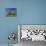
x: 28, y: 12
x: 7, y: 24
x: 33, y: 12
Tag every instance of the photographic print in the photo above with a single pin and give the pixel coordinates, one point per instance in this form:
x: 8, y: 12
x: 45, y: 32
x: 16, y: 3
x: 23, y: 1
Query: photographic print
x: 11, y: 12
